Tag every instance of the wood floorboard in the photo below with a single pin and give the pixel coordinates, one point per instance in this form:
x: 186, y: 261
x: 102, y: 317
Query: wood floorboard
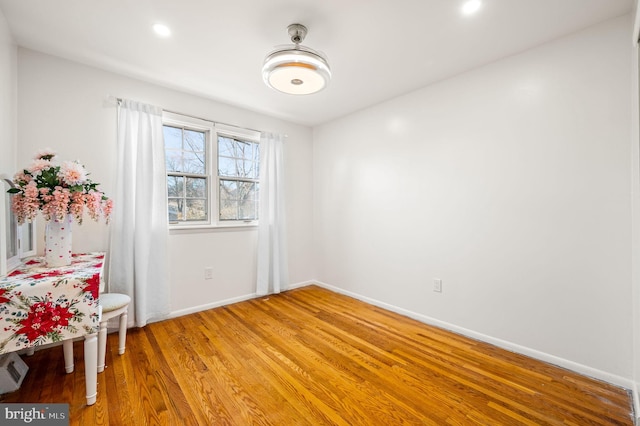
x: 312, y: 357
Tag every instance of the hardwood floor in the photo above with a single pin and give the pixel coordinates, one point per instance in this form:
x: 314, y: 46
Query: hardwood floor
x: 313, y: 357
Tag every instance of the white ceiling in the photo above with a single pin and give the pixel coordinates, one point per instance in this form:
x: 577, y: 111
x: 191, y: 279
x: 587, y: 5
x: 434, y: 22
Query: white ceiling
x: 377, y: 49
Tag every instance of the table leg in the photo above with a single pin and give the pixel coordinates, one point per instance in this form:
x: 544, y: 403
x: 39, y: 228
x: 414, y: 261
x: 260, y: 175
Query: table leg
x: 102, y: 345
x: 91, y: 367
x: 67, y: 347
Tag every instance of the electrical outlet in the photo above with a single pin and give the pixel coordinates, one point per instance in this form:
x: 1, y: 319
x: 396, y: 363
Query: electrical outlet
x: 437, y: 285
x: 208, y: 273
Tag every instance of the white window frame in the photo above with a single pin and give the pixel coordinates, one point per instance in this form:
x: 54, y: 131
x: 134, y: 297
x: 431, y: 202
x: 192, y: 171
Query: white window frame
x: 171, y: 119
x: 22, y: 232
x: 212, y: 130
x: 243, y: 135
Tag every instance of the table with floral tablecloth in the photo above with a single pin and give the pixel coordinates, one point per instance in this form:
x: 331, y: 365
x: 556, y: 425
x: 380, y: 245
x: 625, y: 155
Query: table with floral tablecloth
x: 41, y: 305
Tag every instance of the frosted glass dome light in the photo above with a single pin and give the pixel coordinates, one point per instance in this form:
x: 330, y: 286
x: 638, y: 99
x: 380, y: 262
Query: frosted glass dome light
x: 296, y: 69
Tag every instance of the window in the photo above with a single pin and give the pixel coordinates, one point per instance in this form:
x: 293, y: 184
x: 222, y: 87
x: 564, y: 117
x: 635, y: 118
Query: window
x: 238, y: 172
x: 212, y: 173
x: 187, y: 174
x: 20, y: 239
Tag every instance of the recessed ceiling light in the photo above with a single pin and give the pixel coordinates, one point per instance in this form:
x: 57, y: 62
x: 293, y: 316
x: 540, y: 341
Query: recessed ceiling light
x: 470, y: 7
x: 161, y: 30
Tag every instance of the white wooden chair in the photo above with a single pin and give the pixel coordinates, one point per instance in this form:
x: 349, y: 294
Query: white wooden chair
x: 112, y: 305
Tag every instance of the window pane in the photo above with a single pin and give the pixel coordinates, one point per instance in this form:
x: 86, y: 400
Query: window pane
x: 256, y: 153
x: 176, y: 206
x: 246, y: 191
x: 244, y: 150
x: 247, y: 210
x: 238, y: 200
x: 243, y: 168
x: 196, y: 187
x: 172, y: 137
x: 196, y: 210
x: 250, y: 169
x: 194, y: 140
x: 228, y: 200
x: 231, y: 167
x: 238, y: 158
x: 228, y: 190
x: 225, y: 146
x: 226, y: 167
x: 194, y: 162
x: 256, y: 161
x: 228, y: 210
x: 173, y: 161
x: 175, y: 186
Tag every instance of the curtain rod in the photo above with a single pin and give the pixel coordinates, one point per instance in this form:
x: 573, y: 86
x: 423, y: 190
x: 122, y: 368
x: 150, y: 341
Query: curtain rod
x: 119, y: 102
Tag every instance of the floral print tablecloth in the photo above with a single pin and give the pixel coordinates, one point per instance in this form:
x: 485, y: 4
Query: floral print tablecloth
x: 41, y: 305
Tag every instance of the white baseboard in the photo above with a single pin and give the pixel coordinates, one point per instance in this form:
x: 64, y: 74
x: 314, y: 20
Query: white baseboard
x: 217, y: 304
x: 301, y: 284
x: 542, y: 356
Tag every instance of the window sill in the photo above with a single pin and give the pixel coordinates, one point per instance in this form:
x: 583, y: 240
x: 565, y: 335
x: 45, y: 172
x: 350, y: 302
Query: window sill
x: 196, y: 228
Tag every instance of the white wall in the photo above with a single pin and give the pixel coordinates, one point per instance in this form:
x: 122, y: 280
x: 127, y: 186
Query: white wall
x: 8, y: 87
x: 635, y: 219
x: 511, y: 183
x: 63, y: 105
x: 8, y: 102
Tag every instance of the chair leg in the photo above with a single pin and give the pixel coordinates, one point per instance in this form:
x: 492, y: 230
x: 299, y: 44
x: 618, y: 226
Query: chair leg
x: 102, y: 346
x: 122, y: 333
x: 67, y: 348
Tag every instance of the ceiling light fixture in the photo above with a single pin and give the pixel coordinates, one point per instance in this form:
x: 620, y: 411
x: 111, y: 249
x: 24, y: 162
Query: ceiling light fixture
x: 297, y: 69
x: 470, y: 7
x: 161, y: 30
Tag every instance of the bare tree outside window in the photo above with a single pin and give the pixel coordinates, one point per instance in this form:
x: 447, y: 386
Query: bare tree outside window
x: 238, y: 169
x: 186, y: 163
x: 210, y: 167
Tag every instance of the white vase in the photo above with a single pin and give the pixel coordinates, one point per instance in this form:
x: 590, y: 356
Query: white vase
x: 57, y: 244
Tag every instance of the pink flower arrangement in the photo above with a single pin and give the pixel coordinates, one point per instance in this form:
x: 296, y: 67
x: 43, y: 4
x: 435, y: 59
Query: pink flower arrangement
x: 57, y: 191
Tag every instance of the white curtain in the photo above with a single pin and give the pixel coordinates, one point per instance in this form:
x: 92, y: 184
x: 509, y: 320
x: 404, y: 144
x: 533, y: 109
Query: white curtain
x: 139, y: 226
x: 272, y: 248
